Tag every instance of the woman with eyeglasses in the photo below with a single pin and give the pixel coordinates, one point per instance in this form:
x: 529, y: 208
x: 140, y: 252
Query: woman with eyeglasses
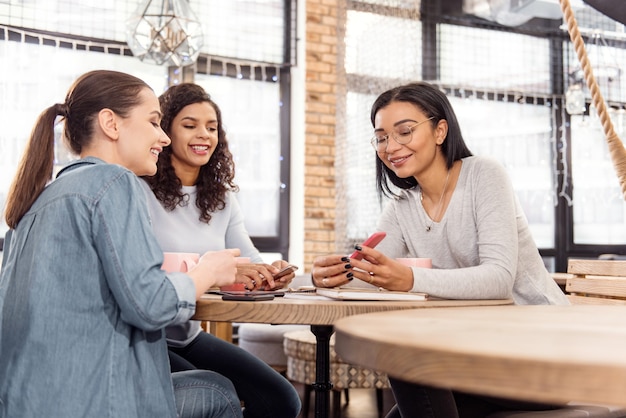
x: 194, y: 209
x: 457, y: 209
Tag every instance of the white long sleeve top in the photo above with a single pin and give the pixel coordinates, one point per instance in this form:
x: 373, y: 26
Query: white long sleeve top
x: 481, y: 249
x: 181, y: 230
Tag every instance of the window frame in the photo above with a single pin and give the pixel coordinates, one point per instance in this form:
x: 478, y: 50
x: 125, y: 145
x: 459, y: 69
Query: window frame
x: 431, y: 16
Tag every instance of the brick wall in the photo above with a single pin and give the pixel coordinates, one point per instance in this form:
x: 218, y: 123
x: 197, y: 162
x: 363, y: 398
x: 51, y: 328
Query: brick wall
x: 320, y: 114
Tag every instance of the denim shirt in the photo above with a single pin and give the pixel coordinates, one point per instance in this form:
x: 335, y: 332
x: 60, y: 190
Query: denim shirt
x: 83, y: 302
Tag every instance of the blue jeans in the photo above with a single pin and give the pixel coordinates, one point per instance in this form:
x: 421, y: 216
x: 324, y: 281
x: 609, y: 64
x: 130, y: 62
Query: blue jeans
x: 418, y: 401
x: 265, y: 392
x: 205, y: 394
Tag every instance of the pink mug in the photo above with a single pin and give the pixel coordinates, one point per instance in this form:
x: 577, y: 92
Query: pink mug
x: 182, y: 262
x: 416, y: 262
x: 237, y: 287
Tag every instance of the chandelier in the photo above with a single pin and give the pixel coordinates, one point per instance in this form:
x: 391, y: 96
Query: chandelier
x: 165, y: 32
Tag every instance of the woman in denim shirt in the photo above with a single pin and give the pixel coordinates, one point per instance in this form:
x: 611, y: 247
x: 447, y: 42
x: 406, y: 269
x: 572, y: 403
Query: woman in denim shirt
x: 83, y: 300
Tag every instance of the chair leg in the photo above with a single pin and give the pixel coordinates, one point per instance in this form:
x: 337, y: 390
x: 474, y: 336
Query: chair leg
x: 306, y: 402
x: 336, y: 403
x: 347, y: 395
x: 379, y: 402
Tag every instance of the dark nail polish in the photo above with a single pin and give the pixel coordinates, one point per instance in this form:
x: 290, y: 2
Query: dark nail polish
x: 348, y: 266
x: 345, y: 259
x: 349, y: 276
x: 358, y: 247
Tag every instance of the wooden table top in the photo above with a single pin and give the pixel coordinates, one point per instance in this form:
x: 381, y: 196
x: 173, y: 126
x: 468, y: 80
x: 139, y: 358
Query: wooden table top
x: 538, y: 353
x: 283, y: 310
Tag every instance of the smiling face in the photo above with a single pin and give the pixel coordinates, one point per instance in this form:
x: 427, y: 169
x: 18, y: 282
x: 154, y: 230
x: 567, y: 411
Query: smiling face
x: 194, y: 133
x: 141, y: 138
x: 410, y: 125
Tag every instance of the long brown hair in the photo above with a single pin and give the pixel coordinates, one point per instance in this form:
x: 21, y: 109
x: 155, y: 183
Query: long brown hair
x: 215, y: 178
x: 90, y: 93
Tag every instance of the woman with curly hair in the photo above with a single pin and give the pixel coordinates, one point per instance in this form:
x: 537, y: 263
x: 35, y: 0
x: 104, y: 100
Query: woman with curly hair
x: 193, y: 209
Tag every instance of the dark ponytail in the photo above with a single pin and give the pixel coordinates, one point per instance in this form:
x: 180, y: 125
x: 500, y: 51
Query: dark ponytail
x: 90, y: 93
x: 35, y: 168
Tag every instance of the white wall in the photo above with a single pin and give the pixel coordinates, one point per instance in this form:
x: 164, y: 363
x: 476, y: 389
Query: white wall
x: 296, y: 214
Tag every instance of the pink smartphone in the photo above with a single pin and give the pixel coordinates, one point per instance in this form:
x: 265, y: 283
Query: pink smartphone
x: 371, y: 242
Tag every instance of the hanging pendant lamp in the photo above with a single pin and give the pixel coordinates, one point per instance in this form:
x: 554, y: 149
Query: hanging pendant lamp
x: 165, y: 32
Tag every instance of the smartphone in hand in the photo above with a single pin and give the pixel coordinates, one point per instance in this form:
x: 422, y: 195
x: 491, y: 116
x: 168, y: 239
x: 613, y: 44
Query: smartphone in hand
x: 371, y: 242
x: 288, y: 269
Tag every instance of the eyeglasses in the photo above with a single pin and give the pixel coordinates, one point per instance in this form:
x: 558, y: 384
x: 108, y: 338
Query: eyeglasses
x: 402, y: 136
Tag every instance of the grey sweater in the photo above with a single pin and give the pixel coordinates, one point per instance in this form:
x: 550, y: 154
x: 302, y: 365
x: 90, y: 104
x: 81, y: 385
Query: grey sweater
x: 481, y: 249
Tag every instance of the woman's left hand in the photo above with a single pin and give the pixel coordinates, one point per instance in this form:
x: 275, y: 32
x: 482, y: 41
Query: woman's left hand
x: 256, y: 276
x: 260, y: 276
x: 282, y: 281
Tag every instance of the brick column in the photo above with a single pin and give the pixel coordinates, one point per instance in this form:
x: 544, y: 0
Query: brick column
x: 320, y: 111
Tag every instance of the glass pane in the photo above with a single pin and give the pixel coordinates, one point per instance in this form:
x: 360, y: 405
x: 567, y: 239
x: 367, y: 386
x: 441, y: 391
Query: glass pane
x: 492, y: 59
x: 245, y: 29
x: 599, y: 207
x: 521, y: 138
x: 90, y: 18
x: 251, y: 115
x: 606, y: 64
x: 356, y: 167
x: 365, y: 54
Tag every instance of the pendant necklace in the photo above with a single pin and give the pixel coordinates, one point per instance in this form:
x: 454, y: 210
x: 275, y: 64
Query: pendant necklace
x: 439, y: 205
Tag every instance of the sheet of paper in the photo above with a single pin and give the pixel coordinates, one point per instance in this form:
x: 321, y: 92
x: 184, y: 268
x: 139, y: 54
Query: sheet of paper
x: 352, y: 293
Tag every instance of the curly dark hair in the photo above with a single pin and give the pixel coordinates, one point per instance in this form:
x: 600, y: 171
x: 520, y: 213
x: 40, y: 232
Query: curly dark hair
x: 215, y: 178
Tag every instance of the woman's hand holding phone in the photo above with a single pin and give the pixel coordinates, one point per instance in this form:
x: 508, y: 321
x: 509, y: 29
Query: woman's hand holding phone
x: 288, y: 269
x: 371, y: 242
x: 337, y: 270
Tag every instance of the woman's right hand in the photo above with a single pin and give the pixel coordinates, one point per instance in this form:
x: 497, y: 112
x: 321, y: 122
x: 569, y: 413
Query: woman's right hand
x: 214, y: 269
x: 331, y: 271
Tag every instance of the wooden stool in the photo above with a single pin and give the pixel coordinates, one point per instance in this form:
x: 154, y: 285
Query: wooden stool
x: 300, y: 347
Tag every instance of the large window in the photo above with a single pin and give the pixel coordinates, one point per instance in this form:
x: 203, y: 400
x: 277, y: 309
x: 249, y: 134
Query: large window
x: 244, y: 65
x: 521, y: 138
x: 252, y: 131
x: 507, y: 87
x: 35, y: 77
x: 490, y: 59
x: 599, y: 208
x: 251, y: 30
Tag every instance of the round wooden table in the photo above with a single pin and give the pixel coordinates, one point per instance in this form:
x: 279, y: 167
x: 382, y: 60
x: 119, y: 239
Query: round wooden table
x: 321, y: 315
x: 537, y: 353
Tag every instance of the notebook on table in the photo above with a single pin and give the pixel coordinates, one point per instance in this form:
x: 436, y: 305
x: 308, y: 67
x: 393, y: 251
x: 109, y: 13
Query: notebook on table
x: 351, y: 293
